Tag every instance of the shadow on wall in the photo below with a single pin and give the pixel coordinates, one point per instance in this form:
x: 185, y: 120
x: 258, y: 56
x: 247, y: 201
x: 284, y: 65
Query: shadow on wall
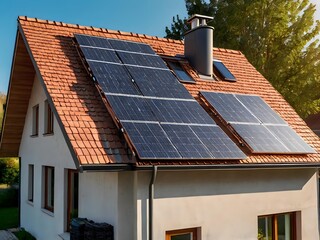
x: 206, y: 183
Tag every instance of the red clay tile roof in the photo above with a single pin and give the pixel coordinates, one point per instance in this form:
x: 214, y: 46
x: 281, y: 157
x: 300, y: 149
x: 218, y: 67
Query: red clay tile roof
x: 89, y: 127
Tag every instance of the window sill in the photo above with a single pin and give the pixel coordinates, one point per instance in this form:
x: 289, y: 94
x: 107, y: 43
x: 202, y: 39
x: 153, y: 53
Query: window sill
x: 30, y: 203
x: 47, y: 134
x: 34, y: 135
x: 51, y: 214
x: 65, y: 236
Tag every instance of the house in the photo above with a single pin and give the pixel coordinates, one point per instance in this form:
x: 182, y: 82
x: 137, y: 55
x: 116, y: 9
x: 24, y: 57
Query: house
x: 105, y: 131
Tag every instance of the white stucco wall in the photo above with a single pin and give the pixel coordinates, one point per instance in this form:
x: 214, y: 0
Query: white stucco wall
x: 226, y: 204
x: 110, y: 197
x: 50, y: 150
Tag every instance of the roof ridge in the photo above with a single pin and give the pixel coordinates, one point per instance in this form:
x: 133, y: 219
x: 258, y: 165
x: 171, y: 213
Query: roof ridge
x: 227, y: 50
x: 77, y: 26
x: 123, y: 33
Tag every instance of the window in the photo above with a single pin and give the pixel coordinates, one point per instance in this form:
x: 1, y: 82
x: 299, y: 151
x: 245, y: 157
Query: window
x: 35, y: 120
x: 184, y: 234
x: 48, y: 118
x: 49, y: 188
x: 277, y: 227
x: 223, y: 71
x: 72, y: 197
x: 181, y: 74
x: 30, y: 183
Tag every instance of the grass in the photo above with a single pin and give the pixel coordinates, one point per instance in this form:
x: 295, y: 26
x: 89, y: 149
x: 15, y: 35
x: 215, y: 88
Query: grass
x: 8, y: 207
x: 9, y: 217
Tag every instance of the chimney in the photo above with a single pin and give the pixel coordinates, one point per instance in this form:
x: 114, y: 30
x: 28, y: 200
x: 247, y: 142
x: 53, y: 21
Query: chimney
x: 198, y: 44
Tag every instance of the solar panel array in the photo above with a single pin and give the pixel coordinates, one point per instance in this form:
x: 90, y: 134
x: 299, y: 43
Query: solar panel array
x: 257, y: 123
x: 160, y: 117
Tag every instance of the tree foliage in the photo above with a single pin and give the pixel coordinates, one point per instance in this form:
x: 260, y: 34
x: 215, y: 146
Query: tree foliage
x: 9, y: 171
x: 2, y: 102
x: 278, y: 37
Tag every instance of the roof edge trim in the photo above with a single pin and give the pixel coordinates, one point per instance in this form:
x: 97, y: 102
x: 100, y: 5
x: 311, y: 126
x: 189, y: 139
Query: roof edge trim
x: 9, y: 85
x: 64, y: 133
x: 231, y: 166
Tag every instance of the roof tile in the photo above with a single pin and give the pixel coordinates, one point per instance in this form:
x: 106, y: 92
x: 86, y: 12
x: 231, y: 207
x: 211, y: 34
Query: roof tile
x: 87, y: 122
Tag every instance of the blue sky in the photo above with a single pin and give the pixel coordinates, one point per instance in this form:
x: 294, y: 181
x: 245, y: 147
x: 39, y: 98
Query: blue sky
x: 139, y: 16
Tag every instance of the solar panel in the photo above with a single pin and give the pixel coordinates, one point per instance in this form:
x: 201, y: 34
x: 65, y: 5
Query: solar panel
x: 113, y: 78
x: 142, y: 60
x: 217, y: 142
x: 147, y: 94
x: 259, y: 138
x: 229, y: 107
x: 130, y: 46
x: 186, y: 142
x: 131, y: 108
x: 257, y: 124
x: 150, y: 141
x: 260, y: 109
x: 180, y: 72
x: 291, y: 139
x: 180, y: 112
x: 223, y: 71
x: 100, y: 54
x: 86, y: 40
x: 158, y: 83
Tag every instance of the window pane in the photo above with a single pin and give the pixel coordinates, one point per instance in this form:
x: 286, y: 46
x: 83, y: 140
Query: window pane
x: 35, y: 120
x: 284, y: 228
x: 185, y: 236
x: 30, y: 183
x: 265, y: 228
x: 48, y: 124
x: 49, y: 188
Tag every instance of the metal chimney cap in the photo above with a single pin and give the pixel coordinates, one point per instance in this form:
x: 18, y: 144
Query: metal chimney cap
x: 198, y: 20
x: 200, y: 17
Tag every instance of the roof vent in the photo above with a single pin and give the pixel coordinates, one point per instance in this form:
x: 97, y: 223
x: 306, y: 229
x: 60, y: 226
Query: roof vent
x: 199, y: 43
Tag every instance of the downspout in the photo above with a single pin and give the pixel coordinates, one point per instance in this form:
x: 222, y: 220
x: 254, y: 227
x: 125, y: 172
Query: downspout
x: 151, y: 197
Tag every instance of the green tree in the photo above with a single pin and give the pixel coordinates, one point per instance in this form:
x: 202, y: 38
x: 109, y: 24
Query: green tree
x: 9, y: 171
x: 2, y: 102
x: 278, y: 37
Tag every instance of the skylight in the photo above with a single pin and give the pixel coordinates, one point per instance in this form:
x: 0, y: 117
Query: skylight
x: 223, y: 71
x: 182, y: 75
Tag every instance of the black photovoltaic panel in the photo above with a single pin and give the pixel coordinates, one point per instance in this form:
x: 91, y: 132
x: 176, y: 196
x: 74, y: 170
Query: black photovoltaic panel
x: 113, y: 78
x: 150, y: 141
x: 217, y: 142
x: 180, y: 112
x: 131, y: 108
x: 259, y: 138
x: 228, y: 106
x: 130, y: 46
x: 291, y: 139
x: 142, y: 60
x: 141, y: 116
x: 158, y: 83
x: 85, y: 40
x: 223, y: 71
x: 264, y: 130
x: 99, y: 54
x: 261, y: 109
x: 186, y: 142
